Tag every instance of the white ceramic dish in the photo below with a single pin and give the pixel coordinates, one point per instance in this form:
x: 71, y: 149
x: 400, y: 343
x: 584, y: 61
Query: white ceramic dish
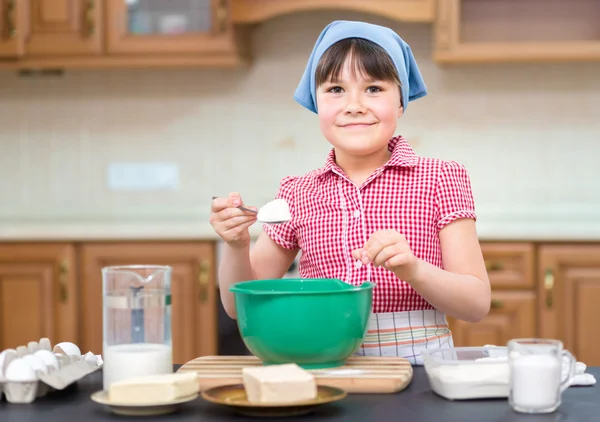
x: 128, y: 409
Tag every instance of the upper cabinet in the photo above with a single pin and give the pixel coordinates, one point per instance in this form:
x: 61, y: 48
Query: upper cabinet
x: 254, y: 11
x: 63, y: 27
x: 118, y: 33
x: 12, y: 40
x: 174, y: 26
x: 478, y: 31
x: 182, y: 33
x: 50, y: 28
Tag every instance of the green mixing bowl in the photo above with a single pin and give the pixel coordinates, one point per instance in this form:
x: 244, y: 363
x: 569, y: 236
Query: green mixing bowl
x: 315, y: 323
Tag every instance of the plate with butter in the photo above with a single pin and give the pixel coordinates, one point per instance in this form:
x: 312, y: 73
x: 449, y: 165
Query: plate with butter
x: 274, y: 390
x: 149, y: 395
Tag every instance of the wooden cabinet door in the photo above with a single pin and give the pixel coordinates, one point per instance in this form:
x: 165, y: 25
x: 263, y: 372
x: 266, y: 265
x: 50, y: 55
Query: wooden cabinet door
x: 569, y: 298
x: 37, y: 294
x: 12, y: 28
x: 168, y: 27
x: 512, y: 315
x: 193, y: 291
x: 64, y: 27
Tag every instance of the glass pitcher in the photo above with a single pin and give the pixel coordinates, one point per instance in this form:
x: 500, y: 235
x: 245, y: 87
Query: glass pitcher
x: 136, y: 322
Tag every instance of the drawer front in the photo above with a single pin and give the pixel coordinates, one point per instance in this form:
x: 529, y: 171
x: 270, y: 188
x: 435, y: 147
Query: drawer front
x: 510, y: 265
x: 512, y: 315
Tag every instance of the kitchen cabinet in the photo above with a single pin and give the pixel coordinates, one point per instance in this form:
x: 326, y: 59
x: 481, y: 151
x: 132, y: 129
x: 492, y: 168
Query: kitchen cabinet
x: 49, y: 28
x: 12, y: 15
x: 96, y: 34
x: 54, y: 290
x: 255, y: 11
x: 511, y: 270
x: 569, y: 297
x: 49, y: 34
x: 512, y: 315
x: 10, y: 44
x: 63, y: 28
x: 176, y: 26
x: 480, y: 31
x: 193, y: 290
x: 38, y: 293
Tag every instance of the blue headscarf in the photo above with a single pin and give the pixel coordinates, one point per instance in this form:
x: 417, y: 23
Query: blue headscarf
x: 412, y: 83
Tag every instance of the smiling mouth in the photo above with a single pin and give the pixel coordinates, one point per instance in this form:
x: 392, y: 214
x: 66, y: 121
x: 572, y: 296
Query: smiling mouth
x: 357, y: 125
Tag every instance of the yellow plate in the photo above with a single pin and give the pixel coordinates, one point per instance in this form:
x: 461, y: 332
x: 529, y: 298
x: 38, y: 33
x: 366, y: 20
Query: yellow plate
x: 234, y: 396
x: 129, y: 409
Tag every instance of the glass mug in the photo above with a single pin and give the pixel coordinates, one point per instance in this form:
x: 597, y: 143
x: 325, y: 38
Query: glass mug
x: 536, y: 374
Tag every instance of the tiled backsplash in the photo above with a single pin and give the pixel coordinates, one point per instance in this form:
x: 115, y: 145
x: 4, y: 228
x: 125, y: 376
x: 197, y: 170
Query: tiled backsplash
x: 528, y: 134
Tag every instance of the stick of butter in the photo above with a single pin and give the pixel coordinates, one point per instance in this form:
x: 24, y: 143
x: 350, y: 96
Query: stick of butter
x: 278, y: 384
x: 153, y: 388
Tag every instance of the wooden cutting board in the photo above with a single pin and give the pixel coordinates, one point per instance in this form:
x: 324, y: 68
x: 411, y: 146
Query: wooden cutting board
x: 360, y: 374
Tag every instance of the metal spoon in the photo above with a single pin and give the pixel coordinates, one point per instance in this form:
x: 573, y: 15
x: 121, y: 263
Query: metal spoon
x: 256, y: 212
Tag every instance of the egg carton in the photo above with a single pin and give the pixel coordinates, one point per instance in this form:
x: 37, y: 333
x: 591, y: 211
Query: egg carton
x: 32, y: 371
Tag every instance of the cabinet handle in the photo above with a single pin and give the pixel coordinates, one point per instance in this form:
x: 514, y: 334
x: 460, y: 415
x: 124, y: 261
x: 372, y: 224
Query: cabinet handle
x: 496, y: 304
x: 203, y: 277
x: 222, y: 15
x: 89, y: 17
x: 549, y: 287
x: 493, y: 266
x: 10, y: 19
x: 63, y: 273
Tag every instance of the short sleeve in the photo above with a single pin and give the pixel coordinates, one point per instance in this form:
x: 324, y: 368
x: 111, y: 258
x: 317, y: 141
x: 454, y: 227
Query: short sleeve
x: 454, y: 196
x: 285, y: 234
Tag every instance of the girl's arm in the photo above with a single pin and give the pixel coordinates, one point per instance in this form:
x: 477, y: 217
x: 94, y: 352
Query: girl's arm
x: 460, y: 290
x: 265, y: 260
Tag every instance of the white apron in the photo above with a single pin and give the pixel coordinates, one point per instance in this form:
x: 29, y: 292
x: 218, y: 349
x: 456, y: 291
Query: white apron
x: 406, y: 334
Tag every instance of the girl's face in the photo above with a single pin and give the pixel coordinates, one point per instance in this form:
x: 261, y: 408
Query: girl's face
x: 357, y: 114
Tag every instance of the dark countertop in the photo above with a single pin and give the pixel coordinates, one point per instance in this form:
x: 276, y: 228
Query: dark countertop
x: 416, y: 403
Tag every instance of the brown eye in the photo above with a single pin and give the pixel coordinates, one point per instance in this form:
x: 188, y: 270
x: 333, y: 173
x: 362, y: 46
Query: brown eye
x: 374, y: 89
x: 335, y: 90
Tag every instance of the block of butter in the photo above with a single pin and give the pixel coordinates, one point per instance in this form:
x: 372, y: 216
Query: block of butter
x: 278, y: 384
x: 153, y: 388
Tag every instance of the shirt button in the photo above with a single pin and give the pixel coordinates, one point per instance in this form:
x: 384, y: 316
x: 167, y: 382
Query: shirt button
x: 357, y: 264
x: 356, y: 213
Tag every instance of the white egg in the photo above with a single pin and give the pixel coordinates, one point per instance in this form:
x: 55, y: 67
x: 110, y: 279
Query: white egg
x: 20, y: 370
x: 48, y: 358
x: 69, y: 348
x: 45, y: 344
x: 91, y: 358
x: 2, y: 364
x: 33, y: 346
x: 36, y: 363
x: 2, y: 355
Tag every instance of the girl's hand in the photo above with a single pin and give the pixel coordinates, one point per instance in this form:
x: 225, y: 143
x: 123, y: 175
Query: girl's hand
x: 389, y: 249
x: 230, y: 222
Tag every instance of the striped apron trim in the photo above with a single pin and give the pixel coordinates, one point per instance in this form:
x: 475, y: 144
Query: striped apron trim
x: 406, y: 334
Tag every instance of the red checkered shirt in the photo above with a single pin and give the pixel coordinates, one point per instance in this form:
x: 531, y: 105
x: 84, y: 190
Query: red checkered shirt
x: 331, y: 217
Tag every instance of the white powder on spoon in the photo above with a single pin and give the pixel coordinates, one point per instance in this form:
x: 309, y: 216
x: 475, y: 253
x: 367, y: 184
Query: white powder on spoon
x: 275, y: 211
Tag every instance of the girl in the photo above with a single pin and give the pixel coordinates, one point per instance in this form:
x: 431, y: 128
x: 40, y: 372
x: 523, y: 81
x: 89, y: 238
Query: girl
x: 375, y: 211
